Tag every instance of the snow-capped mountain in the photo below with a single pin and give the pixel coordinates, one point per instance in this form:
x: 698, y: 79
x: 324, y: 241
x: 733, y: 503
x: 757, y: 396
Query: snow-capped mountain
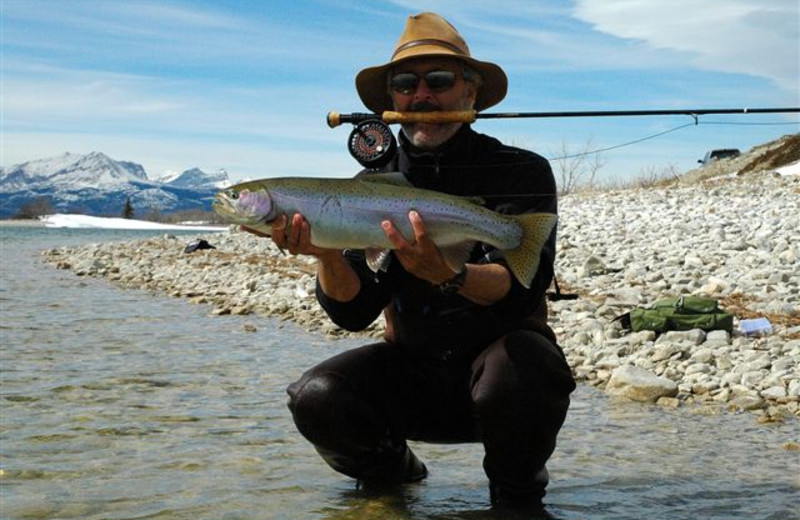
x: 97, y: 184
x: 196, y: 177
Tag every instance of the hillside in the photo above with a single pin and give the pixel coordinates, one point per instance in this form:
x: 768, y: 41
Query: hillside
x: 769, y: 156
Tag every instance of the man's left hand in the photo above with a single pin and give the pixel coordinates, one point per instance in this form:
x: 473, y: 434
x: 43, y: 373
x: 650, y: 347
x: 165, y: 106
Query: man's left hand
x: 422, y: 257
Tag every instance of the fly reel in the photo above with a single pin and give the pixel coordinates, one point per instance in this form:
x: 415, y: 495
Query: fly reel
x: 372, y: 143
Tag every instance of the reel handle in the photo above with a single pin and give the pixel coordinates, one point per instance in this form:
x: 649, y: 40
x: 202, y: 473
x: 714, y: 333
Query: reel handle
x: 459, y: 116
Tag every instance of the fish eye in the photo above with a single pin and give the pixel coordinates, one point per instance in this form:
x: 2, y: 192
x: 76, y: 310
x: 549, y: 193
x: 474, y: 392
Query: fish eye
x: 233, y: 194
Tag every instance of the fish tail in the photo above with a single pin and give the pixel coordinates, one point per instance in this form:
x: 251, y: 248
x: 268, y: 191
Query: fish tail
x: 524, y: 259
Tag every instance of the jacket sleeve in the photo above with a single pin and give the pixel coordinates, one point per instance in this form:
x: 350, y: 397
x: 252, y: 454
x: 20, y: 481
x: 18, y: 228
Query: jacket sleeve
x: 358, y: 313
x: 535, y: 177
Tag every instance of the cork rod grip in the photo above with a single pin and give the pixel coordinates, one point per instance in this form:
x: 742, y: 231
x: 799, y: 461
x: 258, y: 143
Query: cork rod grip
x: 462, y: 116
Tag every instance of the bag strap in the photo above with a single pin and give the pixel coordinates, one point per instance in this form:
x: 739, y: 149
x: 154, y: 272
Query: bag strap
x: 558, y: 295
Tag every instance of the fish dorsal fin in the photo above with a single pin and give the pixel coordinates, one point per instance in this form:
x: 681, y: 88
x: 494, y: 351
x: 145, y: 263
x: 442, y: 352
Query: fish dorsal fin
x: 393, y: 178
x: 399, y: 179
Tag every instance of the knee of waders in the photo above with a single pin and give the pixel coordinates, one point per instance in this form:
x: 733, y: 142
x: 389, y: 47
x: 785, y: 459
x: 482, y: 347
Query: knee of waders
x: 328, y: 412
x: 540, y: 362
x: 317, y: 401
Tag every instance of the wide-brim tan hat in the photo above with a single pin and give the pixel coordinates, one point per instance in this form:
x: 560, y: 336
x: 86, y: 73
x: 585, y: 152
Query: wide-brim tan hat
x: 430, y: 35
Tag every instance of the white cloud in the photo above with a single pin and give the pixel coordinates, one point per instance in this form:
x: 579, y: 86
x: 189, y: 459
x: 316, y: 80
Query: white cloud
x: 741, y: 36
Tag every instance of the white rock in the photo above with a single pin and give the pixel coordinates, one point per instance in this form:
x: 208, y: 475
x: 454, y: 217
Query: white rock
x: 773, y: 392
x: 639, y: 384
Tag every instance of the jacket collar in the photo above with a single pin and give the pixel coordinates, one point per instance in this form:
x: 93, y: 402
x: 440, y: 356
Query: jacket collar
x: 434, y: 169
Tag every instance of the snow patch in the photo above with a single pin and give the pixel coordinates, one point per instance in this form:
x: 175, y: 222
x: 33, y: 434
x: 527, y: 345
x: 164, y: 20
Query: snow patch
x: 63, y: 220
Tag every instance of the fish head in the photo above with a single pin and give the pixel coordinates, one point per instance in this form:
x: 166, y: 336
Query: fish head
x: 244, y: 205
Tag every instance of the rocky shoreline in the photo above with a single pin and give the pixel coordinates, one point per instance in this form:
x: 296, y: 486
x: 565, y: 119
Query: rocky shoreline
x: 736, y: 239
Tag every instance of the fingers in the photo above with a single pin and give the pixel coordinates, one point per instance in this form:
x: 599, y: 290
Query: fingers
x: 420, y: 234
x: 293, y: 234
x: 396, y: 237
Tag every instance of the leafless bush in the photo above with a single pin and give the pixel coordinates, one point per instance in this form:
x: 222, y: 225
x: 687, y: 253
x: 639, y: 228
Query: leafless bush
x: 576, y: 168
x: 653, y: 176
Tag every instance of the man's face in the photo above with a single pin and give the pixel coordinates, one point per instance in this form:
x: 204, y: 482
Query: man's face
x: 437, y: 96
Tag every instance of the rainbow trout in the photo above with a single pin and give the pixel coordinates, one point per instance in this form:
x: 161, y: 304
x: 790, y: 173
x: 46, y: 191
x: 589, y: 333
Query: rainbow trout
x: 347, y: 214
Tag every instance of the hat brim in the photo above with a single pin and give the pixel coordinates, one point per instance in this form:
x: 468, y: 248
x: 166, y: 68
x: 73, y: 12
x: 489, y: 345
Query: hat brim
x: 372, y: 88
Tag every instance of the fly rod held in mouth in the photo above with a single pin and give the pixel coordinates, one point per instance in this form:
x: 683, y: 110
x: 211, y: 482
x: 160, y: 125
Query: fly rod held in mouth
x: 469, y: 116
x: 389, y: 117
x: 373, y: 144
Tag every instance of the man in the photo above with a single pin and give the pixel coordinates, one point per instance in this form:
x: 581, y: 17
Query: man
x: 468, y: 356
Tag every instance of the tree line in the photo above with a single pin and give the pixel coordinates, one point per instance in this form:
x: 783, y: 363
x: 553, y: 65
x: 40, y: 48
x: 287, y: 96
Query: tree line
x: 42, y: 206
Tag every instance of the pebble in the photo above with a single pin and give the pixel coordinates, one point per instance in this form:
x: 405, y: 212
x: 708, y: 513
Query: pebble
x: 617, y: 249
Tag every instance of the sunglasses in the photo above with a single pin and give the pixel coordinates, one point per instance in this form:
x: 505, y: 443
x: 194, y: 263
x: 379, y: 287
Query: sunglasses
x: 437, y: 80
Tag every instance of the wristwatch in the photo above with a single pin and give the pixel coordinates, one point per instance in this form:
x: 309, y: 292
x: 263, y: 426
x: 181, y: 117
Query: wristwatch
x: 453, y: 285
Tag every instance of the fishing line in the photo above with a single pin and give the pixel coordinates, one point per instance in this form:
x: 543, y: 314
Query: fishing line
x: 698, y: 123
x: 733, y: 123
x: 622, y: 145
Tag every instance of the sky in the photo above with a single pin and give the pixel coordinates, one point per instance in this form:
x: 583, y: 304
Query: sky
x: 245, y: 85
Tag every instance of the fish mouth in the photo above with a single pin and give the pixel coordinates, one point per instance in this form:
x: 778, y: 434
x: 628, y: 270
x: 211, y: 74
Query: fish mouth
x: 243, y: 206
x: 223, y: 202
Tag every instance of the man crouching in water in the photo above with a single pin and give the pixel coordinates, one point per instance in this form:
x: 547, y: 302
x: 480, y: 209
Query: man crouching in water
x: 467, y: 356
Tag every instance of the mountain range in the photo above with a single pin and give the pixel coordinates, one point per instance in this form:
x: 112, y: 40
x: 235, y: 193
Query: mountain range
x: 96, y: 184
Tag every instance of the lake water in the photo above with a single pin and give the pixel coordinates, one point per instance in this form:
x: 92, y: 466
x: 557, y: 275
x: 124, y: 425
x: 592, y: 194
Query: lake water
x: 127, y: 405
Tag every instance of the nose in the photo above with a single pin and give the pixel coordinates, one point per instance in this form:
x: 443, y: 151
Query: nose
x: 422, y: 92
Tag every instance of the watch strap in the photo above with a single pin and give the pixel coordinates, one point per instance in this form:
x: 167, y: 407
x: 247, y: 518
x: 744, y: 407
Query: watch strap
x: 454, y: 284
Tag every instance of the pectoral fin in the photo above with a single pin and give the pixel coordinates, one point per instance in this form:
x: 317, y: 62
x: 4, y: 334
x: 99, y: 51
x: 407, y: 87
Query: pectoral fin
x: 457, y: 255
x: 377, y: 259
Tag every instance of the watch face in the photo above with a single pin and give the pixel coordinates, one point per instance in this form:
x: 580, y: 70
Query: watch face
x: 452, y: 285
x: 450, y: 288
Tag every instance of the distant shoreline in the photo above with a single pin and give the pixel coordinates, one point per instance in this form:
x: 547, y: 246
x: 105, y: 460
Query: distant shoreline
x: 21, y: 223
x: 60, y: 221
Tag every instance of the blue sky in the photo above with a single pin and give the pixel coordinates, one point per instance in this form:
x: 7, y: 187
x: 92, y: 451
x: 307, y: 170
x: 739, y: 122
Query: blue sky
x: 245, y: 85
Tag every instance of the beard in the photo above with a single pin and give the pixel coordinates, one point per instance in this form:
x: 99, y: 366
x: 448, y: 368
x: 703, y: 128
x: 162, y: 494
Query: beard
x: 428, y: 136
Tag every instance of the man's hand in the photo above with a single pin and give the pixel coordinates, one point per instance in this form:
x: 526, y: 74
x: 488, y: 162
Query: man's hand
x: 295, y: 238
x: 485, y: 284
x: 421, y: 257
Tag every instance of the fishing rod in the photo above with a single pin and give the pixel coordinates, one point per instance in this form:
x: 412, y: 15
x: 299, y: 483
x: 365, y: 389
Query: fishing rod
x: 470, y: 116
x: 372, y: 143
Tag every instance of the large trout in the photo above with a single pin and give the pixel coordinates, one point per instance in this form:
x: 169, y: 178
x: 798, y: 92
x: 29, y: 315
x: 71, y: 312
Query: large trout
x: 347, y: 214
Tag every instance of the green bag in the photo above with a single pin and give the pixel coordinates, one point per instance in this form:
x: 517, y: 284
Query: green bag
x: 681, y: 313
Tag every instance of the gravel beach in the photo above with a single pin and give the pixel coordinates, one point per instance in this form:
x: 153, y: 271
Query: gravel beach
x: 733, y: 238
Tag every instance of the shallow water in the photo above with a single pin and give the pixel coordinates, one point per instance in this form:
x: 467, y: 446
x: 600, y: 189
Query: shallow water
x: 126, y: 405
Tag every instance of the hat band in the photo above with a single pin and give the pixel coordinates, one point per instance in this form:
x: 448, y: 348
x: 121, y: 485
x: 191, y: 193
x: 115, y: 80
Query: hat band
x: 440, y: 43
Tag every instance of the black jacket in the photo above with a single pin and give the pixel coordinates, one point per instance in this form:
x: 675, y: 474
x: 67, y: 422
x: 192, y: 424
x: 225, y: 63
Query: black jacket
x: 418, y: 315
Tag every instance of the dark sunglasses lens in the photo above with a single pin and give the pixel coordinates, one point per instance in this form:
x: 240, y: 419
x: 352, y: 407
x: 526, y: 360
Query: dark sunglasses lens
x: 405, y: 83
x: 440, y: 80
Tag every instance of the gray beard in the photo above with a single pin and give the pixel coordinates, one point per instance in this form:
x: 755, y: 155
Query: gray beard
x: 430, y: 140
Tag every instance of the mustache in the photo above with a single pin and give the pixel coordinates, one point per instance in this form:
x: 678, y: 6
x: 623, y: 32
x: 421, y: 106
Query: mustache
x: 423, y: 106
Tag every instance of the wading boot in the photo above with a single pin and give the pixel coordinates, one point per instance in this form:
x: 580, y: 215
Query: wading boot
x: 522, y: 503
x: 408, y: 470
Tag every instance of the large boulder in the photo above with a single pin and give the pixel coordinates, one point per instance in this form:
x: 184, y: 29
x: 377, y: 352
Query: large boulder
x: 639, y: 384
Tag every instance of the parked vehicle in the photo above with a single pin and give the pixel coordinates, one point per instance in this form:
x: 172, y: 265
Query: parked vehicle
x: 715, y: 155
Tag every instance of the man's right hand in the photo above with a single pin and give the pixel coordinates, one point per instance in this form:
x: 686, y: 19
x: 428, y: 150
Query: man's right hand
x: 295, y: 238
